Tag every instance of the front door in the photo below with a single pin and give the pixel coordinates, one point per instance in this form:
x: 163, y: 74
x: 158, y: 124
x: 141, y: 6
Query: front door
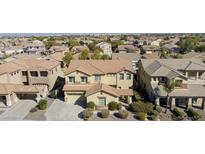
x: 102, y: 101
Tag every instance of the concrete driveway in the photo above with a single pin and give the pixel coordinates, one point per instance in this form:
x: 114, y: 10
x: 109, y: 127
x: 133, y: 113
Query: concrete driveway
x: 60, y: 111
x: 18, y: 111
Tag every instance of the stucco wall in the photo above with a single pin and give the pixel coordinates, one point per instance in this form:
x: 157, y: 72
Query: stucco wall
x: 108, y: 97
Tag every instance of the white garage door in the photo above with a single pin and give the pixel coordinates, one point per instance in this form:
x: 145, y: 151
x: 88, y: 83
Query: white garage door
x: 74, y: 98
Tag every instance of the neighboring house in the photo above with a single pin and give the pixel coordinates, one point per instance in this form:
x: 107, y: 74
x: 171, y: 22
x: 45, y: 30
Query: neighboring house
x: 100, y: 81
x: 62, y: 48
x: 172, y: 47
x: 77, y: 49
x: 154, y: 55
x: 146, y: 49
x: 31, y: 72
x: 128, y: 49
x: 195, y: 55
x: 188, y: 76
x: 106, y: 48
x: 133, y: 57
x: 12, y: 93
x: 57, y: 56
x: 36, y: 47
x: 156, y: 42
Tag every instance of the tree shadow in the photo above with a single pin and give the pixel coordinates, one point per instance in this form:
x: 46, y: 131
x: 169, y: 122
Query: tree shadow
x: 80, y: 115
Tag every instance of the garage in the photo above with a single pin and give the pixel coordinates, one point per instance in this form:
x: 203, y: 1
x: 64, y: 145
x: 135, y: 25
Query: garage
x: 26, y: 96
x: 76, y: 98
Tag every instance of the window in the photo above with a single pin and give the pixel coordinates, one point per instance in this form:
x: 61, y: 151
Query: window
x: 84, y: 79
x: 97, y: 78
x: 102, y: 101
x: 71, y: 79
x: 25, y: 73
x: 121, y: 76
x: 128, y: 76
x: 111, y: 74
x: 34, y: 73
x: 44, y: 73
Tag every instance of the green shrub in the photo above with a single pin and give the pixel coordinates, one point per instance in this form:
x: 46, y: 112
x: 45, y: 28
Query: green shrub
x: 178, y: 114
x: 137, y: 96
x: 42, y: 105
x: 153, y: 117
x: 119, y: 106
x: 141, y: 116
x: 91, y: 105
x: 158, y: 109
x: 53, y: 94
x: 193, y: 114
x: 105, y: 113
x: 154, y: 112
x: 87, y: 113
x: 123, y: 114
x: 141, y: 107
x: 112, y: 106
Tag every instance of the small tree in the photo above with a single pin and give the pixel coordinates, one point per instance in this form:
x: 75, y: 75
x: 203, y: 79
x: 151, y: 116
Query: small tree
x: 84, y: 55
x: 104, y: 113
x: 67, y: 58
x: 169, y: 87
x: 87, y: 113
x: 91, y: 105
x: 104, y: 57
x: 163, y: 54
x: 96, y: 54
x: 112, y: 106
x: 42, y: 105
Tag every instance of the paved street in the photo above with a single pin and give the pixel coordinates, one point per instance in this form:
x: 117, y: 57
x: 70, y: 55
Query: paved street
x: 18, y: 111
x: 61, y: 111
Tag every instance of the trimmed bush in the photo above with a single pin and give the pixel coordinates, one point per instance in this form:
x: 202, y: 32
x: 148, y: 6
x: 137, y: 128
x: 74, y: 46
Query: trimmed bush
x: 119, y: 106
x: 193, y: 114
x: 42, y: 105
x: 141, y: 107
x: 154, y: 112
x: 91, y: 105
x: 123, y: 114
x: 153, y: 117
x: 53, y: 94
x: 141, y: 116
x: 158, y: 109
x: 112, y: 106
x: 178, y: 114
x: 87, y: 113
x: 104, y: 113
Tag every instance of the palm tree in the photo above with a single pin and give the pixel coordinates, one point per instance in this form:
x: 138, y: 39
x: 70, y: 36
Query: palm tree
x: 163, y: 54
x: 169, y: 87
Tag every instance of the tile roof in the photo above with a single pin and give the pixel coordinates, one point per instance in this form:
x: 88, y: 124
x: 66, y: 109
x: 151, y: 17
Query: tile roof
x: 8, y: 88
x: 92, y: 67
x: 90, y: 89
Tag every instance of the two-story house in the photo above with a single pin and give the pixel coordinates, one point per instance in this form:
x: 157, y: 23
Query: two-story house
x: 27, y: 78
x: 106, y: 48
x: 188, y: 76
x: 100, y: 81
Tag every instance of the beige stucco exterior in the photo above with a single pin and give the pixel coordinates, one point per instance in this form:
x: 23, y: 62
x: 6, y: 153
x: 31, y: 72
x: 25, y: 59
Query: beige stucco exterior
x: 96, y: 96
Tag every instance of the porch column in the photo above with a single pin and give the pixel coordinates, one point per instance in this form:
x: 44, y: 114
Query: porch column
x: 15, y: 98
x: 189, y: 103
x: 8, y: 100
x: 197, y: 75
x: 203, y: 104
x: 38, y: 98
x: 129, y: 99
x: 186, y: 74
x: 173, y: 103
x: 157, y: 101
